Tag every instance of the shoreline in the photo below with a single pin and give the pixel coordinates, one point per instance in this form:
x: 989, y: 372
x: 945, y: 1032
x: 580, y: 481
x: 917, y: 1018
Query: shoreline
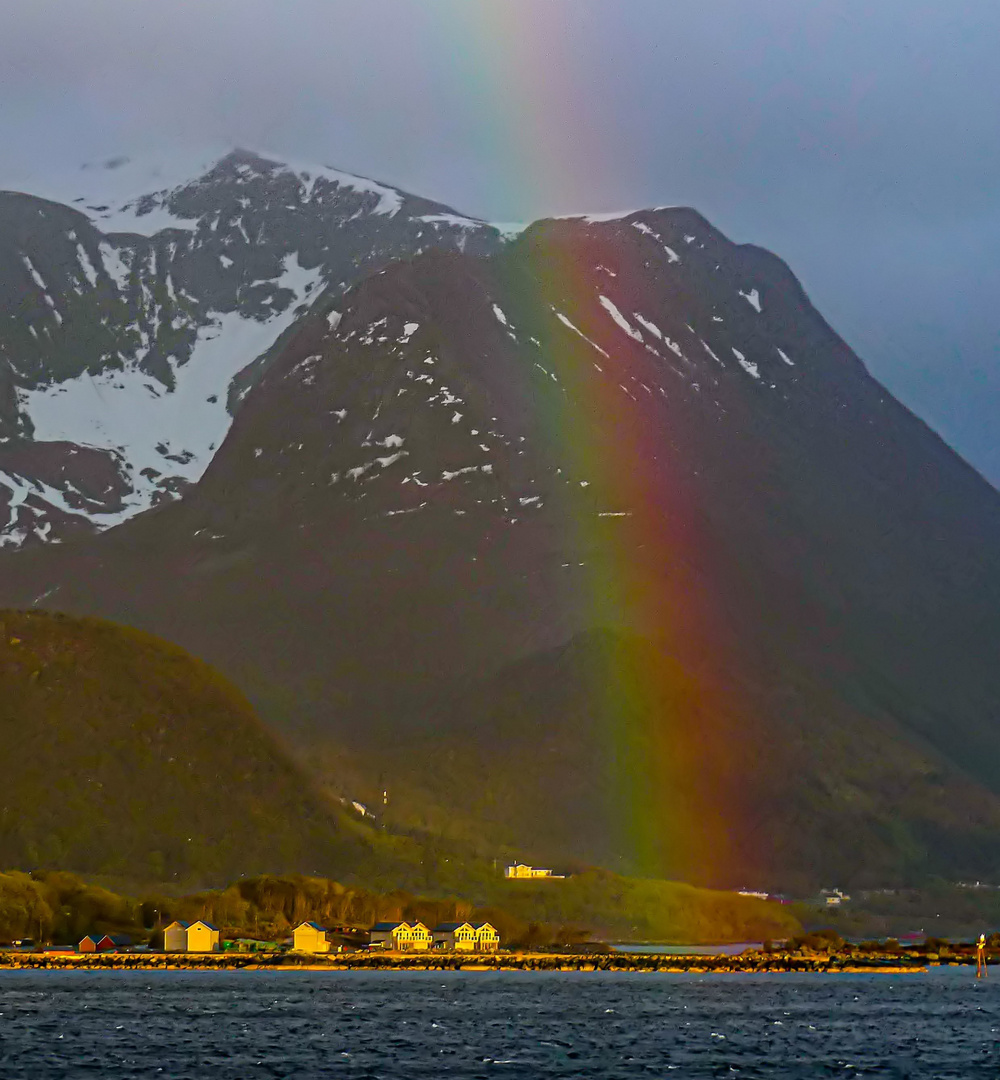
x: 639, y: 963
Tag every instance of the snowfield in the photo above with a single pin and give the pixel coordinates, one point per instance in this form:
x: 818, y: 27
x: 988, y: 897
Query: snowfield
x: 163, y: 432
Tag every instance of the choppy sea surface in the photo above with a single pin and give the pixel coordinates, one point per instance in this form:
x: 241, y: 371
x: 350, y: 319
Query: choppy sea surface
x: 245, y: 1025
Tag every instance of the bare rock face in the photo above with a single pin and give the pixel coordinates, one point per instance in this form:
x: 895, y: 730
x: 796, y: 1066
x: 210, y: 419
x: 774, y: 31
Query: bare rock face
x: 134, y: 320
x: 601, y: 547
x: 54, y: 488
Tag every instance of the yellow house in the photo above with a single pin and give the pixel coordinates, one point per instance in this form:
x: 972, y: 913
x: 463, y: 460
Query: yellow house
x: 457, y: 936
x: 203, y: 937
x: 401, y: 936
x: 310, y: 937
x: 523, y: 872
x: 487, y: 938
x: 198, y: 936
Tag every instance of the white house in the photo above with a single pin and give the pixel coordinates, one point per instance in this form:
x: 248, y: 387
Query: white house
x: 833, y: 897
x: 487, y: 938
x: 456, y: 936
x: 466, y: 937
x: 401, y: 936
x: 523, y: 872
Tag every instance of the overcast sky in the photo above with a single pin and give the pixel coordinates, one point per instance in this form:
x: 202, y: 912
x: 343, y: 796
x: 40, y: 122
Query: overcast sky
x: 860, y: 140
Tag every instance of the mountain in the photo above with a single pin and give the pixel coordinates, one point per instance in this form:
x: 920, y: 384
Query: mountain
x: 599, y: 547
x: 125, y: 755
x: 138, y: 309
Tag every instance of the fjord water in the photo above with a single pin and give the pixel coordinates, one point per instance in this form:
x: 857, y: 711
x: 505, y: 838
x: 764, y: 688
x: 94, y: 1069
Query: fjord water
x: 241, y: 1025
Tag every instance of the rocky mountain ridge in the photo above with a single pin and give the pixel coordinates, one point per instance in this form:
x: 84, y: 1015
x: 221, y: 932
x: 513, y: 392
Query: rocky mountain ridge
x: 134, y: 319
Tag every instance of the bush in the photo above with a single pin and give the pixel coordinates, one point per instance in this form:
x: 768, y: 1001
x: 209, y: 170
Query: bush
x: 24, y: 911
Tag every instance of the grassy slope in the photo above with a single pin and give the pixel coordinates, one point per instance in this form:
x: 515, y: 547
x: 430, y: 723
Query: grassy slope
x: 125, y: 755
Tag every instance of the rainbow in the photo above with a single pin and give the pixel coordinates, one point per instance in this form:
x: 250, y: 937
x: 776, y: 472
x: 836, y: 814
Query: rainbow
x: 663, y: 695
x: 521, y: 71
x: 674, y: 757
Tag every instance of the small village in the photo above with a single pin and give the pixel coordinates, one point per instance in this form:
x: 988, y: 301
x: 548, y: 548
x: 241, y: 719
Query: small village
x: 308, y: 938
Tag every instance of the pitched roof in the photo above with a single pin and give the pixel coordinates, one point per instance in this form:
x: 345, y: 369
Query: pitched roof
x: 385, y: 927
x: 202, y: 922
x: 117, y: 939
x: 448, y: 927
x: 313, y: 925
x: 177, y: 922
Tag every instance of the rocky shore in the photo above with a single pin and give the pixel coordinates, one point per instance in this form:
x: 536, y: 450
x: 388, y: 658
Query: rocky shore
x: 751, y: 962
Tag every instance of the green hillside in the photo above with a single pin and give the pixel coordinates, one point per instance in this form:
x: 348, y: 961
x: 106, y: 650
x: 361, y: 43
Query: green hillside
x: 126, y: 756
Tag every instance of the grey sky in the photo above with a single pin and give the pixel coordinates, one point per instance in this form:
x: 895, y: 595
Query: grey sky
x: 859, y: 139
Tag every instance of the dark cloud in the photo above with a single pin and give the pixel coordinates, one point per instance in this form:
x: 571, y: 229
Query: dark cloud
x: 858, y: 140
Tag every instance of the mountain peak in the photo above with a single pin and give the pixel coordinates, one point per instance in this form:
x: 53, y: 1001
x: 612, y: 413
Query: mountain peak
x: 122, y: 193
x: 141, y: 300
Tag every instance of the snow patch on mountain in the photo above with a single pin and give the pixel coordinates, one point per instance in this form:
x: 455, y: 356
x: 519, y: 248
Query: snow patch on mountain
x: 509, y: 230
x: 89, y: 272
x: 576, y: 330
x: 390, y: 199
x: 620, y: 319
x: 163, y: 432
x: 748, y: 365
x: 115, y: 265
x: 601, y: 218
x: 20, y: 489
x: 650, y: 326
x: 451, y: 219
x: 642, y: 227
x: 752, y: 298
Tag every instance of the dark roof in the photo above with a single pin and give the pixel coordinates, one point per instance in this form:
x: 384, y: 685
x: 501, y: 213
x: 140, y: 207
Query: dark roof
x: 117, y: 939
x: 204, y: 922
x: 314, y: 925
x: 447, y: 927
x: 385, y: 927
x: 179, y: 922
x: 95, y: 938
